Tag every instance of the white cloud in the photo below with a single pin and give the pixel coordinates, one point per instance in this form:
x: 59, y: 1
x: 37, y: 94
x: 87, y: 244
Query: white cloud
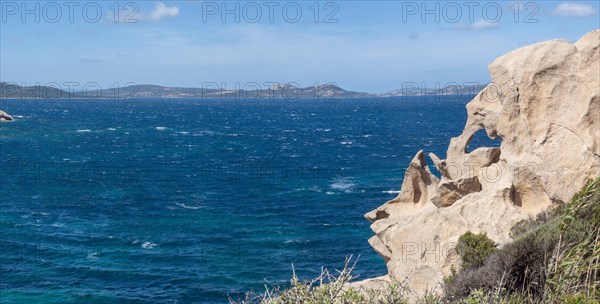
x: 483, y: 24
x: 574, y: 10
x: 478, y: 25
x: 162, y: 11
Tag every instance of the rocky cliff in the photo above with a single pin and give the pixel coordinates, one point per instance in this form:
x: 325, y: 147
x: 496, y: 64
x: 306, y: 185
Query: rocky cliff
x: 544, y: 105
x: 4, y: 116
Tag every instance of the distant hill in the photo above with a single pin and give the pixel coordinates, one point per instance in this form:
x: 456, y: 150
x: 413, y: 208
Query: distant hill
x: 285, y: 91
x: 445, y: 91
x: 277, y: 91
x: 11, y: 90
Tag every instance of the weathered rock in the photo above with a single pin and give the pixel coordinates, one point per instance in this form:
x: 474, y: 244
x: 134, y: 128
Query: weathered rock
x: 4, y: 116
x: 380, y: 248
x: 449, y: 191
x: 544, y: 105
x: 417, y: 189
x: 440, y: 165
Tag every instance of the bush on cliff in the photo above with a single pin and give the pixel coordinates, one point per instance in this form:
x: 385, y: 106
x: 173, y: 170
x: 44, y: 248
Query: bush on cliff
x: 474, y: 249
x: 327, y: 289
x: 575, y: 268
x: 555, y: 262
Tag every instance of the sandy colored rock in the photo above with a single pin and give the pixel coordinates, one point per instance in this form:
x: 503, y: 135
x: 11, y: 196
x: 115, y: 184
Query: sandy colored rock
x: 544, y: 106
x: 449, y: 191
x: 4, y: 116
x: 440, y: 165
x: 417, y: 189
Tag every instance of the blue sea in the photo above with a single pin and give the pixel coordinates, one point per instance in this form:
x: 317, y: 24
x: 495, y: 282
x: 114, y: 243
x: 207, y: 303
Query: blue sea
x: 196, y: 201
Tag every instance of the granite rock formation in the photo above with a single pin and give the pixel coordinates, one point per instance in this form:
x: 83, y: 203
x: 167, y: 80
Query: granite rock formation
x: 4, y: 116
x: 544, y: 105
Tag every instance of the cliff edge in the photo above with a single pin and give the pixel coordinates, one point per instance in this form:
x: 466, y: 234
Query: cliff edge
x: 544, y: 105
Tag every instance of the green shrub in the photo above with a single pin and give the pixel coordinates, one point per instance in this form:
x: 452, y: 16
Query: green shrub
x: 527, y: 225
x: 575, y: 268
x: 519, y: 266
x: 578, y: 298
x: 474, y: 249
x: 327, y: 289
x: 554, y: 262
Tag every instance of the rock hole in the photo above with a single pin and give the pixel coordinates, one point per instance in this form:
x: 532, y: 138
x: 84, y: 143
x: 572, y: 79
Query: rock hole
x: 480, y: 139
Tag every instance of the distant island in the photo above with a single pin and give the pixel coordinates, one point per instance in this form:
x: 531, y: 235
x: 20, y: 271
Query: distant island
x: 285, y: 91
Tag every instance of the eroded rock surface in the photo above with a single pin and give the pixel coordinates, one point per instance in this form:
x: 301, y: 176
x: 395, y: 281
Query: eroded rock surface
x: 4, y: 116
x: 544, y: 105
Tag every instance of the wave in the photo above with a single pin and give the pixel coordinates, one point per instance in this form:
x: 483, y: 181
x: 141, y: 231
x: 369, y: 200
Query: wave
x: 206, y: 132
x: 148, y: 245
x: 182, y: 205
x: 311, y: 189
x: 84, y: 131
x: 343, y: 185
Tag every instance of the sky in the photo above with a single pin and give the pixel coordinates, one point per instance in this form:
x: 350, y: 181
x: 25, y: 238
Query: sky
x: 368, y: 46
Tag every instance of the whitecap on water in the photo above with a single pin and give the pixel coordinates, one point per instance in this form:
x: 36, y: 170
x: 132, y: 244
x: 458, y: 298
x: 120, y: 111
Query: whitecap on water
x: 182, y: 205
x: 40, y: 213
x: 202, y: 134
x: 312, y: 189
x: 297, y: 241
x: 148, y: 245
x: 391, y: 191
x: 343, y: 185
x: 160, y: 128
x: 84, y: 131
x: 111, y: 129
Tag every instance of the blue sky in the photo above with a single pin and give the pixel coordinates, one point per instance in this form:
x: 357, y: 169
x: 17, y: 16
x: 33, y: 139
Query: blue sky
x: 371, y: 46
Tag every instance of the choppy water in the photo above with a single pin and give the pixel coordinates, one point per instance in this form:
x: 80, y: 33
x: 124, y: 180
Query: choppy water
x: 182, y: 201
